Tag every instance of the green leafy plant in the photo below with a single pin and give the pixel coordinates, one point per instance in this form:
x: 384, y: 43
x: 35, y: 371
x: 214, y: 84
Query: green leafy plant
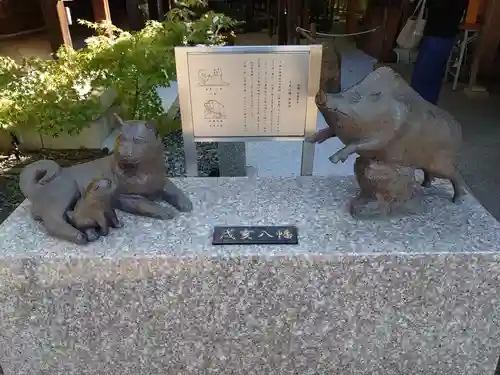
x: 64, y: 95
x: 47, y: 95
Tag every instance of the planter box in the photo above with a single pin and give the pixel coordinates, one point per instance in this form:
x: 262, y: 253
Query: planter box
x: 5, y: 142
x: 91, y: 137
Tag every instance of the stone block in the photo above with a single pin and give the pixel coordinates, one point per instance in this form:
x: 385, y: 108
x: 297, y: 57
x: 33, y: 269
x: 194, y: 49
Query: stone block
x: 232, y: 159
x: 90, y: 137
x: 411, y: 295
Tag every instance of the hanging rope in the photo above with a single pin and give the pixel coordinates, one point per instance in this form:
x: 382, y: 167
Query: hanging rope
x: 298, y: 29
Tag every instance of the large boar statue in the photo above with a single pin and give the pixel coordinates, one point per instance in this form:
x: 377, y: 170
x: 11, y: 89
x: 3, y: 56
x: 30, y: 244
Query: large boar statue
x: 385, y: 121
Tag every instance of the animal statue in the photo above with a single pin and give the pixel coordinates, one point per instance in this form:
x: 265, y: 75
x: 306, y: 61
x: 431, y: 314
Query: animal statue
x: 52, y: 191
x: 385, y: 189
x: 93, y: 213
x: 384, y: 119
x: 137, y: 167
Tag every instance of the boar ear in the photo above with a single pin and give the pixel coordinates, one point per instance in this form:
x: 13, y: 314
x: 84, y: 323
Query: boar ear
x: 151, y: 125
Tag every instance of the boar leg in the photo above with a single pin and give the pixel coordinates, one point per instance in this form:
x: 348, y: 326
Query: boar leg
x: 428, y: 178
x: 444, y: 168
x: 458, y: 192
x: 321, y: 136
x: 365, y: 144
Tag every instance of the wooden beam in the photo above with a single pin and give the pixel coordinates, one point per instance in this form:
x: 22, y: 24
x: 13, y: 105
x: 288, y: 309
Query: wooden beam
x: 133, y: 15
x: 164, y: 8
x: 295, y: 14
x: 270, y: 31
x: 305, y: 19
x: 167, y: 5
x: 353, y: 7
x: 484, y: 42
x: 56, y: 23
x: 281, y: 24
x: 290, y: 14
x: 154, y: 12
x: 101, y: 10
x: 490, y: 39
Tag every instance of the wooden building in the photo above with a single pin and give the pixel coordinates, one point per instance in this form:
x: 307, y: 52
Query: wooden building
x: 21, y: 16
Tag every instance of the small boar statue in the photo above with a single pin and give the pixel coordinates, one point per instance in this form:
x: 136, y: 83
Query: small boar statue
x: 384, y: 120
x: 385, y: 189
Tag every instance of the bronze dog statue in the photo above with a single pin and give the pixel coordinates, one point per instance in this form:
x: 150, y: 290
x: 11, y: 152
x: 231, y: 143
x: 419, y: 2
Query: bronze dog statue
x: 93, y: 213
x: 137, y: 167
x: 53, y: 192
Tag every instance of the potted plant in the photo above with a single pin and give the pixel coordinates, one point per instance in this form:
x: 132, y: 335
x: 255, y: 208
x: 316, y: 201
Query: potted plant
x: 117, y: 68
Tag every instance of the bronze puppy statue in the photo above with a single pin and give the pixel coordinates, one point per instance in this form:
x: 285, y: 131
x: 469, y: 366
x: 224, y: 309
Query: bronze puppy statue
x: 52, y: 192
x: 93, y: 213
x: 384, y: 119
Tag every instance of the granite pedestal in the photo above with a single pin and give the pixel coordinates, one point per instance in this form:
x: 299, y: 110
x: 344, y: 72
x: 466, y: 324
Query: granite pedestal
x: 415, y: 295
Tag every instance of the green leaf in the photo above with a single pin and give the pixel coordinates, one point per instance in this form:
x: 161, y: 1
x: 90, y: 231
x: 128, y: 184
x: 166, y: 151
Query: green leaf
x: 62, y: 96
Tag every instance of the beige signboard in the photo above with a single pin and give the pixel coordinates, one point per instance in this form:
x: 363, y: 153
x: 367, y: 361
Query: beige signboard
x: 247, y: 93
x: 251, y: 94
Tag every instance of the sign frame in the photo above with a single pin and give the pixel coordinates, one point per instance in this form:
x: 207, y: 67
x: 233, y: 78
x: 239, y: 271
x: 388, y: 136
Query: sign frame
x: 256, y: 235
x: 313, y: 85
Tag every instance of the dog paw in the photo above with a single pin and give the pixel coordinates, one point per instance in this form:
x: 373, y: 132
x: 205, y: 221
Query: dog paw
x: 92, y: 234
x: 185, y: 205
x: 81, y: 239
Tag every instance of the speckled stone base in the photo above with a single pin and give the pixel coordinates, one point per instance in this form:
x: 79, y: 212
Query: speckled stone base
x: 415, y: 295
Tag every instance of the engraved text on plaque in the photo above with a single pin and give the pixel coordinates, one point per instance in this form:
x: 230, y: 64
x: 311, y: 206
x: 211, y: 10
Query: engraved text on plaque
x: 248, y: 94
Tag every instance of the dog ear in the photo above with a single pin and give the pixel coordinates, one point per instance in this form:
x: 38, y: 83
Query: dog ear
x: 152, y: 125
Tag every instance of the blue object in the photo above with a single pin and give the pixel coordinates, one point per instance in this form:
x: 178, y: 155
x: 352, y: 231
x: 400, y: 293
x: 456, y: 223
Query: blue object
x: 430, y: 67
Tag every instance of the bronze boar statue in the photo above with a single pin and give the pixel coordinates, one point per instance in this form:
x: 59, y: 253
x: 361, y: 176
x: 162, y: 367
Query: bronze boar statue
x: 132, y: 179
x: 383, y: 119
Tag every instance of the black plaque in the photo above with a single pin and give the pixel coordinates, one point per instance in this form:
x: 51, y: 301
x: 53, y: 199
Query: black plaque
x: 249, y: 235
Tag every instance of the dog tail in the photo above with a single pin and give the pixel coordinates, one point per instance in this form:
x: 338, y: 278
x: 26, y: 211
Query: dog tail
x: 37, y: 174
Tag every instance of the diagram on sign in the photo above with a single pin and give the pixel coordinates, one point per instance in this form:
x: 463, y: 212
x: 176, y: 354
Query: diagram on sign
x: 214, y: 110
x: 211, y: 77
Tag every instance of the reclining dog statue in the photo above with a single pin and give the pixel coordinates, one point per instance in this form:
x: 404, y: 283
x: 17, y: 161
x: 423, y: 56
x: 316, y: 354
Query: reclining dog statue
x: 137, y: 174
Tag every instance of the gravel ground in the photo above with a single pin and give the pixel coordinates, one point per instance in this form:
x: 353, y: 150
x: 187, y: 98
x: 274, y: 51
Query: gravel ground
x: 11, y: 196
x: 174, y: 156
